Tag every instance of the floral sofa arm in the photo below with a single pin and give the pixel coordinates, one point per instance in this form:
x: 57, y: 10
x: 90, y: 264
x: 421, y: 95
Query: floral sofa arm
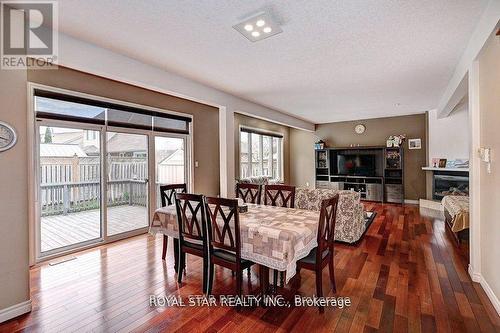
x: 350, y: 227
x: 350, y: 223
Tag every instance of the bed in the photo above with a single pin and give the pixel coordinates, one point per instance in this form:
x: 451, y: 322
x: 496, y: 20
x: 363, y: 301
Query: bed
x: 456, y: 211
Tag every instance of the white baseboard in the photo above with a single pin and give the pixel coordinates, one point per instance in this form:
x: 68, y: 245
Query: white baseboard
x: 411, y: 202
x: 15, y: 311
x: 436, y: 205
x: 491, y: 295
x: 477, y: 277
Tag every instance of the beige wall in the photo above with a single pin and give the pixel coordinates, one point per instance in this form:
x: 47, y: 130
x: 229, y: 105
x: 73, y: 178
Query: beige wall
x: 242, y: 120
x: 489, y: 106
x: 302, y: 158
x: 14, y: 243
x: 205, y: 123
x: 342, y: 134
x: 14, y: 276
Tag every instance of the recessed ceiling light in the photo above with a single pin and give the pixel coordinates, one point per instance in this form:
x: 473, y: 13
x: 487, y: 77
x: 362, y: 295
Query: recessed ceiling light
x: 258, y: 27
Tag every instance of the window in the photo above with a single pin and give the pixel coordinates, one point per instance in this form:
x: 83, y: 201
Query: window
x: 260, y: 154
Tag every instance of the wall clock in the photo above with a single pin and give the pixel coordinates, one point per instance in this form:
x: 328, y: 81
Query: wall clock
x: 360, y: 129
x: 8, y: 136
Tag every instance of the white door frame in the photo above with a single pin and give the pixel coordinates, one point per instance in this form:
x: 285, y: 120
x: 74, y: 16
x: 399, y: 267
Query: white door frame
x: 188, y: 165
x: 135, y: 232
x: 474, y: 173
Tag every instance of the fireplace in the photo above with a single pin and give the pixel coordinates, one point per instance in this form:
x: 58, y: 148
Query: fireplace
x: 450, y: 183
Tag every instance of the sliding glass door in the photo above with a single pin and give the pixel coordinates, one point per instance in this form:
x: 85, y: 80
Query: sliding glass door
x: 73, y: 181
x: 94, y: 159
x: 127, y: 182
x: 69, y: 196
x: 72, y: 213
x: 170, y: 162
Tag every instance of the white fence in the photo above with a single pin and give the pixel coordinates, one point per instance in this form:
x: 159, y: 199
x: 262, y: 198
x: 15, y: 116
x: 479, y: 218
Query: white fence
x: 73, y: 184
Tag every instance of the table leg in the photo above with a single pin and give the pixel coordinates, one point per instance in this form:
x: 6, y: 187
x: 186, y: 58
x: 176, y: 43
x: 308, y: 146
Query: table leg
x: 264, y: 279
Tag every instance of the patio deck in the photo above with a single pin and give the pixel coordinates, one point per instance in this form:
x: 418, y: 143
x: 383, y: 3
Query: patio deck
x: 63, y: 230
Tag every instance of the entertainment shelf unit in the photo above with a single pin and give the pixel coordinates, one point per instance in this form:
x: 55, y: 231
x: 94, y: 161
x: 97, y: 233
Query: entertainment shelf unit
x: 385, y: 184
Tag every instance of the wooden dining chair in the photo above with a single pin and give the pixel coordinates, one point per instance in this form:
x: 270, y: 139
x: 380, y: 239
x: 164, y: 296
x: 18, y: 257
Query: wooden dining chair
x: 167, y: 195
x: 250, y: 193
x: 191, y: 219
x: 224, y: 239
x: 323, y: 254
x: 282, y: 196
x: 279, y: 195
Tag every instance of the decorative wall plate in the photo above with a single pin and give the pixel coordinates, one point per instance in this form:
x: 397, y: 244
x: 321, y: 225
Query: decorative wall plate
x: 8, y: 136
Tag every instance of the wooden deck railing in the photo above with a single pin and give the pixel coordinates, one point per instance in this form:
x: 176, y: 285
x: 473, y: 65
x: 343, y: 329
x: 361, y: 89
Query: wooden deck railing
x: 67, y: 198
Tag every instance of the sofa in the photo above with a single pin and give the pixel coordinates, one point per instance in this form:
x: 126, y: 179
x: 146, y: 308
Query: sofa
x: 350, y: 224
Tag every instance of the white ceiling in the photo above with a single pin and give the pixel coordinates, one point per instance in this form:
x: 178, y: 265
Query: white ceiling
x: 335, y: 60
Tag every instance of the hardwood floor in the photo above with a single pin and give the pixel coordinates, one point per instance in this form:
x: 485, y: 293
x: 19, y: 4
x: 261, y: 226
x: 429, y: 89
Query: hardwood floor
x: 405, y: 275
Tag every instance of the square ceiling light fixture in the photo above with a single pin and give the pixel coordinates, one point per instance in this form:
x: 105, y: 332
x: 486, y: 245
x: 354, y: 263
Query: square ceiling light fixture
x: 258, y: 27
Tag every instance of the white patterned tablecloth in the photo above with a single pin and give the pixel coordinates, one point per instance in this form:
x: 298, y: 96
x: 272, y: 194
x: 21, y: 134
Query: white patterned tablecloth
x: 275, y: 237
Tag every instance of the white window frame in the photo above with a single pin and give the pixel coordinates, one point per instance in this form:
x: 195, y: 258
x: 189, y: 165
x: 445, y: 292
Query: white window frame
x: 261, y: 152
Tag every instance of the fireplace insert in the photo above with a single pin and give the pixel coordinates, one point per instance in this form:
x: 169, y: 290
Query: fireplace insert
x: 450, y: 183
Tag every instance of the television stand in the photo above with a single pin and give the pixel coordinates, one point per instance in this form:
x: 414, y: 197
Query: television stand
x: 370, y: 188
x: 387, y: 184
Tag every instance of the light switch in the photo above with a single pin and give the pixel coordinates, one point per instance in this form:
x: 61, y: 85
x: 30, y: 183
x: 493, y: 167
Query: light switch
x: 485, y: 155
x: 196, y: 164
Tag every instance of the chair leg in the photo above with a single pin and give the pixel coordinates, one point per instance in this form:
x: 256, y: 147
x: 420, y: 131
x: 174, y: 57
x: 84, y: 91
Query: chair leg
x: 282, y: 279
x: 182, y: 261
x: 176, y: 255
x: 205, y: 274
x: 239, y: 282
x: 165, y: 244
x: 210, y: 279
x: 319, y: 287
x: 275, y: 280
x: 249, y: 273
x: 331, y: 267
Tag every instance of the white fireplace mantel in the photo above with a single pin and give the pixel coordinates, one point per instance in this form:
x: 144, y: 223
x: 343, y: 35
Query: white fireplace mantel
x: 446, y: 169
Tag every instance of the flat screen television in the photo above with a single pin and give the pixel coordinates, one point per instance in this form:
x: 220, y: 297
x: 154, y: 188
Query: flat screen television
x: 357, y: 165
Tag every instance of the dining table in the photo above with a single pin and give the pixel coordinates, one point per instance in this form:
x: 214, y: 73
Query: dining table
x: 273, y: 237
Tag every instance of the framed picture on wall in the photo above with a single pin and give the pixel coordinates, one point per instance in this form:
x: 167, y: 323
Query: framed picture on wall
x: 442, y: 162
x: 415, y: 144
